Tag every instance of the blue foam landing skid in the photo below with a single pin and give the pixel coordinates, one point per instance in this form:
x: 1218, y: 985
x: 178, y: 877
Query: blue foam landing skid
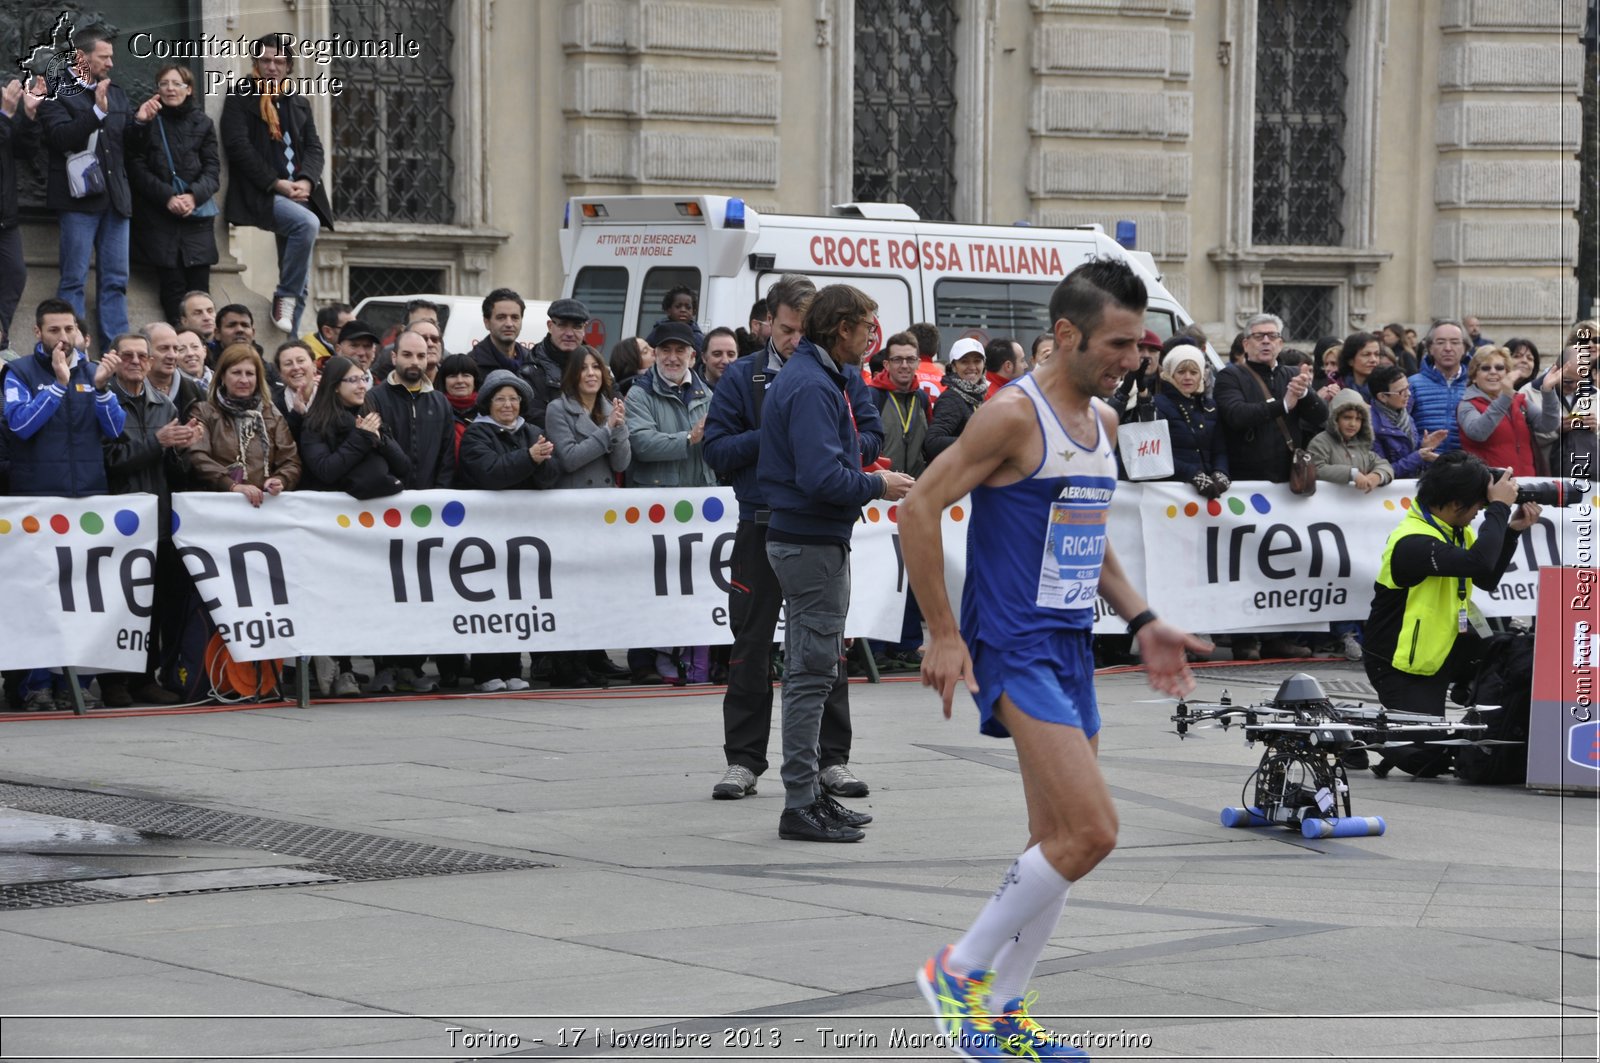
x: 1345, y: 827
x: 1244, y: 817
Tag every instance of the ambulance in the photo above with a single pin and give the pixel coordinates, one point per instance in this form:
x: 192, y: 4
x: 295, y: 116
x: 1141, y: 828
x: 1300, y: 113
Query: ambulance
x: 622, y: 254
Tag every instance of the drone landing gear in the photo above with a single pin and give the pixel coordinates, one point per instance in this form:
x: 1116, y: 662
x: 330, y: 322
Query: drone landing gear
x: 1305, y: 789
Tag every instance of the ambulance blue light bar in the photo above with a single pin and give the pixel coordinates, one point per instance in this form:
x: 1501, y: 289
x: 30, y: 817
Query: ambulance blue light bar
x: 733, y: 217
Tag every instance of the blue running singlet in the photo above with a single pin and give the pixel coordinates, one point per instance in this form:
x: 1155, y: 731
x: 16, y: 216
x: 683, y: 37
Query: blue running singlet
x: 1035, y: 547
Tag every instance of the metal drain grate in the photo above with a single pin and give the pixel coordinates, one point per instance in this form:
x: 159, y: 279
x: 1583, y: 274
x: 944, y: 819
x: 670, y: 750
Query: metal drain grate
x: 350, y: 856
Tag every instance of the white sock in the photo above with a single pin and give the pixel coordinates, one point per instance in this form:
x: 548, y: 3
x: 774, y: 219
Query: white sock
x: 1013, y: 967
x: 1030, y: 886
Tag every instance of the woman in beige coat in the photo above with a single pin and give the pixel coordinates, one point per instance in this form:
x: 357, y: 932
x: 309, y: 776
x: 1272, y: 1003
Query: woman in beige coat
x: 248, y: 447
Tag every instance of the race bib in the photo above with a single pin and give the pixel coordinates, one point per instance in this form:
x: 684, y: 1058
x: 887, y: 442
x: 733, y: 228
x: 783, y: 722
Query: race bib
x: 1073, y: 551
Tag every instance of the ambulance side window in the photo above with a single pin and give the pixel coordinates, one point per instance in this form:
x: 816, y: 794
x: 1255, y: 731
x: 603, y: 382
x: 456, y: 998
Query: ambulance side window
x: 1018, y: 309
x: 1161, y: 322
x: 657, y: 283
x: 603, y: 290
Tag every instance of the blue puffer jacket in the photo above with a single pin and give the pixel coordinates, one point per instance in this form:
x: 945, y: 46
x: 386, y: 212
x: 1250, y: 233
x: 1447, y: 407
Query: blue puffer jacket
x: 811, y: 453
x: 1434, y: 401
x: 54, y: 451
x: 1195, y: 429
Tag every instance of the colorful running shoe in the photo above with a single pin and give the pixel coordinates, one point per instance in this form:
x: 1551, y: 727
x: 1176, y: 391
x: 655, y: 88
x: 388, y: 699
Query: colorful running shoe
x: 1022, y: 1038
x: 957, y: 1003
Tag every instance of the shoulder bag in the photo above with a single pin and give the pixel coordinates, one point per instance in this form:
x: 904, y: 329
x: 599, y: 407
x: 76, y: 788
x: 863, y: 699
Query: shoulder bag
x: 1302, y: 467
x: 207, y: 209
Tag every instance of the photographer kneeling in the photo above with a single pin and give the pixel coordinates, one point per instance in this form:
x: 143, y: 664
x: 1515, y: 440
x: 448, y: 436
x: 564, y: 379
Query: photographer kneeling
x: 1423, y: 631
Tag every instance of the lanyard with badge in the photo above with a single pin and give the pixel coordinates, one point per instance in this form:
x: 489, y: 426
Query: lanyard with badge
x: 1468, y: 616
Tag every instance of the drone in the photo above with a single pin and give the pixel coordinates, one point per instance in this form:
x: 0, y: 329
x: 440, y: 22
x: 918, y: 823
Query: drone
x: 1300, y: 783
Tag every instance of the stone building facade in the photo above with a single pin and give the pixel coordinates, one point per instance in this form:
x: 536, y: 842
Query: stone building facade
x: 1345, y: 163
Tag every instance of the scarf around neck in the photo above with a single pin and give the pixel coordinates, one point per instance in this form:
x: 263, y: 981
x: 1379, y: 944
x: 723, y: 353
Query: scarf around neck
x: 239, y: 407
x: 971, y: 390
x: 1399, y: 418
x: 269, y: 92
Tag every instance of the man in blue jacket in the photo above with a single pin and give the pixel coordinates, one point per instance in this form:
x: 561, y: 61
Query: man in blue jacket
x: 1438, y: 387
x: 732, y: 445
x: 810, y: 473
x: 92, y: 200
x: 58, y: 408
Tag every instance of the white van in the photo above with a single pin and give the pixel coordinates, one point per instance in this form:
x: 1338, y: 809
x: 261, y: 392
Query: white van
x: 622, y: 254
x: 462, y: 319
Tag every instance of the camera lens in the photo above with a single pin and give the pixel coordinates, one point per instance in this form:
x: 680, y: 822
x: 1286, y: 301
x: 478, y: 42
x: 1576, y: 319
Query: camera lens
x: 1556, y: 493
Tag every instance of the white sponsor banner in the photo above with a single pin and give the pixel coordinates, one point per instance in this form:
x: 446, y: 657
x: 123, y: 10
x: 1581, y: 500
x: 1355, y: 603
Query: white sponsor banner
x: 442, y: 571
x: 1262, y: 556
x: 449, y: 571
x: 80, y: 575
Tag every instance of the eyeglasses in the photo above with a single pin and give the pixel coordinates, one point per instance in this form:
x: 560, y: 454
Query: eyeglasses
x: 133, y: 356
x: 1263, y: 336
x: 362, y: 380
x: 903, y: 359
x: 1397, y: 393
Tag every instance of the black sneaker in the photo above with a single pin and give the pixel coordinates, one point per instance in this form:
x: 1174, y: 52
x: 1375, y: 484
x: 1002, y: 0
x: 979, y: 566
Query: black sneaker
x: 840, y: 814
x: 812, y: 824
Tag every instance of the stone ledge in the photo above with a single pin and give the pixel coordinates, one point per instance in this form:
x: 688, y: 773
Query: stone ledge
x: 1126, y: 8
x: 1557, y: 125
x: 650, y: 92
x: 1089, y: 50
x: 671, y: 28
x: 1535, y: 183
x: 1164, y: 235
x: 1463, y: 241
x: 1499, y: 297
x: 1512, y: 67
x: 1109, y: 174
x: 1564, y: 16
x: 666, y: 158
x: 1113, y: 113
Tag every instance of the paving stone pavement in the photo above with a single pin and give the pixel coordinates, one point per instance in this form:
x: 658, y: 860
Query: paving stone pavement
x: 662, y: 924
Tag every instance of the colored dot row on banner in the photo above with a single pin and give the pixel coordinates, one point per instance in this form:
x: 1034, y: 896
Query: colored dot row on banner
x: 1213, y: 507
x: 712, y: 509
x: 682, y: 511
x: 125, y: 521
x: 451, y: 514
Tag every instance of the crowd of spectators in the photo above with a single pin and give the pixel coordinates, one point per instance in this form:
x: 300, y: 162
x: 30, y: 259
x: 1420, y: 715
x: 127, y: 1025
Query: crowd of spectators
x: 509, y: 417
x: 194, y: 403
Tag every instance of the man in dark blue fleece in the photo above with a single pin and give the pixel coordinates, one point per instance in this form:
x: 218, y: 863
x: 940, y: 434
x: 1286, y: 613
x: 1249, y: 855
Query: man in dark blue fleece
x: 810, y: 474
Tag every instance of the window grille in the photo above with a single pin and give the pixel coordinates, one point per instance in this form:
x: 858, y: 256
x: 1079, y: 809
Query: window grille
x: 1306, y: 309
x: 368, y: 281
x: 905, y: 101
x: 392, y: 128
x: 1301, y: 85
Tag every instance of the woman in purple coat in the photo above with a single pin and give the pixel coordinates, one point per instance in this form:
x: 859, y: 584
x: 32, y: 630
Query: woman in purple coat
x: 1394, y: 434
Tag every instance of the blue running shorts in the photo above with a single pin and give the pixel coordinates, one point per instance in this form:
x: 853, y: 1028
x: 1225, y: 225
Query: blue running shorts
x: 1052, y: 680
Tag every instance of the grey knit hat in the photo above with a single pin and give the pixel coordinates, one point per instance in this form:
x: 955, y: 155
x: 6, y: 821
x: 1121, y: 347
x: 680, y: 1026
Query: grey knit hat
x: 498, y: 379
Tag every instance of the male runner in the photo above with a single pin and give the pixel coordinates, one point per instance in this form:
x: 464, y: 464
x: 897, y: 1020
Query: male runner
x: 1039, y: 460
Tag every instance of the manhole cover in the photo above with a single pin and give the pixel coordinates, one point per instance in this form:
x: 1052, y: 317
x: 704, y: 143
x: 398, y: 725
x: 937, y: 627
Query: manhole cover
x: 328, y: 855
